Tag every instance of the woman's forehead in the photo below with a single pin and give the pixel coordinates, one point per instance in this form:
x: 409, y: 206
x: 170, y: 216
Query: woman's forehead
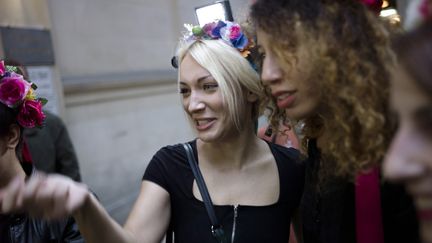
x: 191, y: 70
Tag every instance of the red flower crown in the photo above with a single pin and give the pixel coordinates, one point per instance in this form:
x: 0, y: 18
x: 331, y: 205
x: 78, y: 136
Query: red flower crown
x: 19, y: 94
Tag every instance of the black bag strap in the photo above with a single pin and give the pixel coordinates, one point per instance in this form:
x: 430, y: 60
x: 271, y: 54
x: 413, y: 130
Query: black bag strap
x: 216, y: 228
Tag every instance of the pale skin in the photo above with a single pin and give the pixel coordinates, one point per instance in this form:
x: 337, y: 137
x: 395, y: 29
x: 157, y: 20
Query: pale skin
x: 238, y: 168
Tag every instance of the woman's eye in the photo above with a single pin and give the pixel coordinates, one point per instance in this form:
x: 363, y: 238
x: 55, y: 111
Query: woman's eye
x: 184, y: 91
x: 261, y: 52
x: 210, y: 87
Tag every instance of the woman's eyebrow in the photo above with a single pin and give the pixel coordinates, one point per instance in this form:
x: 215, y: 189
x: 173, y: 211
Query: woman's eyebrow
x: 198, y: 80
x: 203, y: 78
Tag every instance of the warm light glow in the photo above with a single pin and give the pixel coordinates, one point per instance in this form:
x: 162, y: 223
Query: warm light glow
x: 210, y: 13
x: 388, y: 12
x: 385, y: 4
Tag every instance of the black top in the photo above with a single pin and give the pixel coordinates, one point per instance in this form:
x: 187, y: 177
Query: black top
x: 189, y: 220
x: 328, y: 214
x: 4, y: 228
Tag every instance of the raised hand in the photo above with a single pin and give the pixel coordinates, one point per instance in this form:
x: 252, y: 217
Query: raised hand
x: 44, y: 196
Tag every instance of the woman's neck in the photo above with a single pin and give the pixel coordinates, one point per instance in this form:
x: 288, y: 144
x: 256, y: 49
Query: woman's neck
x: 234, y: 152
x: 10, y: 168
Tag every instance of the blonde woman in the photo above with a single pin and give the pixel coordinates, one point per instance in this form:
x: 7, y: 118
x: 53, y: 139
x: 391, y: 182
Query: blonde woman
x: 254, y: 186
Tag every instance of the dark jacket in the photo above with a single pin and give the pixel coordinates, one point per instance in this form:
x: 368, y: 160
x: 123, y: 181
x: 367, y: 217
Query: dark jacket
x: 23, y: 229
x: 51, y: 148
x: 27, y: 230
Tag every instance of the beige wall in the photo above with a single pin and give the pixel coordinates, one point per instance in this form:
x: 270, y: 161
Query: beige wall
x: 32, y: 14
x: 115, y: 138
x: 24, y: 13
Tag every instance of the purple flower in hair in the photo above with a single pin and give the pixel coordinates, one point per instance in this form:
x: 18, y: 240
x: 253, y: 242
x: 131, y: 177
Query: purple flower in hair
x: 208, y: 28
x: 215, y: 34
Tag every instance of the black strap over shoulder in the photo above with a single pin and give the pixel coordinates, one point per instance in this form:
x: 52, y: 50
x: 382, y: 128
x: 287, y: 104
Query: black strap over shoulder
x: 216, y: 228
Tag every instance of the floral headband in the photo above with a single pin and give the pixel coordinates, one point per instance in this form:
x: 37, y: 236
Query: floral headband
x: 19, y: 94
x: 230, y: 32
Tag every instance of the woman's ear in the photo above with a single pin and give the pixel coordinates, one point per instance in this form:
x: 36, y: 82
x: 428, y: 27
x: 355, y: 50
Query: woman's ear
x: 251, y: 97
x: 13, y: 136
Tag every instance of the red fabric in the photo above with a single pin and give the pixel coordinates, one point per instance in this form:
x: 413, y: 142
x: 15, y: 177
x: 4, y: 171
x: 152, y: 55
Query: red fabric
x: 26, y: 153
x: 369, y: 226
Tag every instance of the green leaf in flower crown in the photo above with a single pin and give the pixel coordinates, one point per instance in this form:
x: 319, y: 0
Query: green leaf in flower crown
x: 43, y: 101
x: 197, y: 31
x: 11, y: 69
x: 34, y: 86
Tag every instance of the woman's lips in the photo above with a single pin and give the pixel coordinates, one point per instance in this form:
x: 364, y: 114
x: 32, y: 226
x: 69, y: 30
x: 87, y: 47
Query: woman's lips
x: 285, y: 100
x: 204, y: 124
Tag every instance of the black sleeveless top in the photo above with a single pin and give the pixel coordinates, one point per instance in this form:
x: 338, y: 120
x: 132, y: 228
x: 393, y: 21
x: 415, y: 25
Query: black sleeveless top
x: 169, y: 168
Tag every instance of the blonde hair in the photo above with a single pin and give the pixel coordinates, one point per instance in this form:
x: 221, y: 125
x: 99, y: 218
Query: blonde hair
x: 233, y: 73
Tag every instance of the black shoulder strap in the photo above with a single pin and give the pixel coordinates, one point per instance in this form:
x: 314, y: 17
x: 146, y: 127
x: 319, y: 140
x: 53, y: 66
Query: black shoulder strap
x: 216, y: 228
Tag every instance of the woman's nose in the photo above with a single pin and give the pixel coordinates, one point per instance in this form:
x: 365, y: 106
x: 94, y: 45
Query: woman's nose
x: 402, y: 161
x: 196, y: 103
x: 271, y: 72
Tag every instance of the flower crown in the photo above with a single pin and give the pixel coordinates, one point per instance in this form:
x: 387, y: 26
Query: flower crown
x: 19, y: 94
x: 228, y: 31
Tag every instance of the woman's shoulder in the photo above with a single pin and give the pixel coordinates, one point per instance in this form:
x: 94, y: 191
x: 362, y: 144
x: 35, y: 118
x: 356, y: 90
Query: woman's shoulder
x: 166, y: 164
x: 172, y: 152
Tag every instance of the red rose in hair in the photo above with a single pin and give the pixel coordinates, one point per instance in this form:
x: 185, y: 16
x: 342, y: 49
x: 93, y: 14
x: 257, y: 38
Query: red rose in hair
x: 31, y: 114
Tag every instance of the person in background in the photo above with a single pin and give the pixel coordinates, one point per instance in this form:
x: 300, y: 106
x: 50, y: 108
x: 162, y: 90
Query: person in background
x: 255, y: 186
x: 409, y: 159
x: 326, y: 64
x: 50, y: 149
x: 21, y: 109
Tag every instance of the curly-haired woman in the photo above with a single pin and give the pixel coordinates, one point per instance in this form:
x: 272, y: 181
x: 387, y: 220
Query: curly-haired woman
x: 326, y: 65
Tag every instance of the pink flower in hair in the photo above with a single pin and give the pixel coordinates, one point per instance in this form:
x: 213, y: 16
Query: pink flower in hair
x: 13, y: 90
x: 235, y: 32
x: 31, y: 114
x: 2, y: 68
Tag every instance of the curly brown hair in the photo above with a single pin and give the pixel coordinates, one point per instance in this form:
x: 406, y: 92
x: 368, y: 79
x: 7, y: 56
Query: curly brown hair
x: 349, y: 49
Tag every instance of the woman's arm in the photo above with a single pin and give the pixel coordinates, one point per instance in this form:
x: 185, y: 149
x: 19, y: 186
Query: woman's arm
x: 147, y: 222
x: 55, y: 196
